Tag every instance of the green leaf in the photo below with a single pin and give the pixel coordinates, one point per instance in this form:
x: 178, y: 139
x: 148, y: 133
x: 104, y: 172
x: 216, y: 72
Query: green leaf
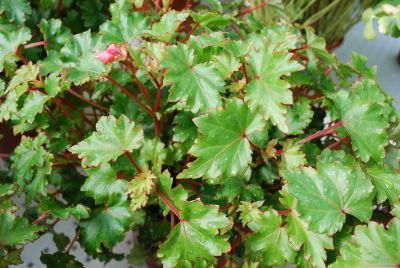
x: 185, y: 130
x: 226, y: 64
x: 223, y: 149
x: 112, y: 138
x: 124, y: 27
x: 11, y: 258
x: 317, y: 47
x: 79, y: 58
x: 16, y: 231
x: 61, y: 260
x: 102, y: 183
x: 106, y: 225
x: 299, y: 117
x: 177, y: 195
x: 11, y: 37
x: 196, y: 237
x: 292, y: 157
x: 368, y: 18
x: 364, y: 120
x: 313, y: 244
x: 195, y: 87
x: 33, y: 105
x: 373, y: 246
x: 338, y: 187
x: 80, y: 212
x: 55, y: 34
x: 270, y: 239
x: 165, y: 29
x: 51, y: 85
x: 16, y: 10
x: 359, y: 64
x: 54, y: 207
x: 20, y: 81
x: 31, y: 163
x: 6, y: 189
x: 268, y: 92
x: 211, y: 20
x: 386, y: 182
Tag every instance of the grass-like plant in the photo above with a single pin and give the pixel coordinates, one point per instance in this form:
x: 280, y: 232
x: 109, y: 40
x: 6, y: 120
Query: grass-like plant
x: 331, y: 19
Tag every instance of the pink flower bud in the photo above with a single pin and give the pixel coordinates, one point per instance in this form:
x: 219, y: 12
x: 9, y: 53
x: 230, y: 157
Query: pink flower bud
x: 112, y: 53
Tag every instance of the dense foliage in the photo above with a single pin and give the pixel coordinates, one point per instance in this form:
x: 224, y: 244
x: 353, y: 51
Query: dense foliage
x: 219, y: 141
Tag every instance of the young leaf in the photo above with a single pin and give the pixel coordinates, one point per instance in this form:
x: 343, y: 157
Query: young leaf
x: 16, y: 230
x: 196, y: 236
x: 292, y: 157
x: 374, y: 246
x: 223, y: 149
x: 112, y: 138
x: 270, y: 238
x: 194, y: 86
x: 102, y: 183
x: 268, y: 92
x: 140, y: 188
x: 106, y: 225
x: 338, y: 187
x: 249, y: 211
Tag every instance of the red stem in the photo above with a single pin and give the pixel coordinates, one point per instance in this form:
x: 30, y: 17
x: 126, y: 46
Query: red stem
x: 187, y: 5
x: 2, y: 155
x: 59, y: 7
x: 191, y: 32
x: 73, y: 240
x: 338, y: 143
x: 24, y: 60
x: 234, y: 78
x: 284, y: 212
x: 235, y: 244
x: 156, y: 5
x: 321, y: 133
x: 237, y: 31
x: 169, y: 204
x: 156, y: 123
x: 172, y: 220
x: 129, y: 94
x: 35, y: 44
x: 142, y: 87
x: 247, y: 11
x: 245, y: 72
x: 76, y: 94
x: 41, y: 217
x: 128, y: 155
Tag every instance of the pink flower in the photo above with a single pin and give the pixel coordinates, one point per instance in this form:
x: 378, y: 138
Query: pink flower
x: 112, y: 53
